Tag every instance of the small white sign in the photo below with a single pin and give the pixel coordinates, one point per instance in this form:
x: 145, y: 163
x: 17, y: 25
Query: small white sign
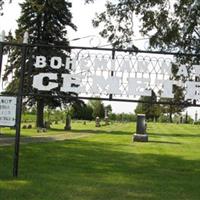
x: 7, y: 110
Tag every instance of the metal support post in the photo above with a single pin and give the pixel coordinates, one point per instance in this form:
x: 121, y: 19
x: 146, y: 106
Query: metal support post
x: 19, y: 112
x: 1, y: 57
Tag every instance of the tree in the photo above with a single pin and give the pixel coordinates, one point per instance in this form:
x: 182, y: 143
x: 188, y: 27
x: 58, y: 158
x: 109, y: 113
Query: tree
x: 98, y: 108
x: 80, y: 110
x: 1, y: 6
x: 46, y: 22
x: 83, y: 112
x: 174, y: 107
x: 170, y: 26
x: 108, y: 109
x: 151, y: 110
x: 88, y: 112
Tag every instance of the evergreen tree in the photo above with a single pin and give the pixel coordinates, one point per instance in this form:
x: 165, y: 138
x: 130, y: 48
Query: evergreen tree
x: 80, y: 110
x: 46, y: 22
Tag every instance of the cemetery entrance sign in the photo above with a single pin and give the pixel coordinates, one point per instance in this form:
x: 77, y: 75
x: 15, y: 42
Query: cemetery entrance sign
x: 129, y: 76
x: 57, y: 71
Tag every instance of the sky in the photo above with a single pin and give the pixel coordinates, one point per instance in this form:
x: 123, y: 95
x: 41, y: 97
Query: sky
x: 82, y: 17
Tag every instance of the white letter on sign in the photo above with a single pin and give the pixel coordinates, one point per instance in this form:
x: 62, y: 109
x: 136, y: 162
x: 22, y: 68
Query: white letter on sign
x: 70, y: 64
x: 166, y: 68
x: 182, y: 71
x: 103, y: 85
x: 71, y: 83
x: 197, y: 70
x: 192, y: 90
x: 138, y: 87
x: 40, y: 62
x: 56, y: 62
x: 100, y: 63
x: 39, y: 79
x: 167, y: 89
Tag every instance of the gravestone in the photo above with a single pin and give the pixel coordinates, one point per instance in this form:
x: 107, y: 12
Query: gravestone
x: 181, y: 119
x: 97, y: 122
x: 106, y: 119
x: 140, y: 135
x: 196, y: 117
x: 68, y: 123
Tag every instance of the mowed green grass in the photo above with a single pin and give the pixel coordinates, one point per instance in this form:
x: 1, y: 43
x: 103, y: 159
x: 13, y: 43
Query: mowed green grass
x: 107, y: 165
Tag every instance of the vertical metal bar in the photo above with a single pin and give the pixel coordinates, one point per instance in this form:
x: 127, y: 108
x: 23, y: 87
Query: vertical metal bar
x: 19, y: 112
x: 1, y: 60
x: 1, y: 57
x: 112, y: 72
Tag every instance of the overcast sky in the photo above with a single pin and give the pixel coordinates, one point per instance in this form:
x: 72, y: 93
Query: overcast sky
x: 82, y: 16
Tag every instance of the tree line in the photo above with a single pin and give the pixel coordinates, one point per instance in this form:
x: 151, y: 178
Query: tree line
x: 96, y: 108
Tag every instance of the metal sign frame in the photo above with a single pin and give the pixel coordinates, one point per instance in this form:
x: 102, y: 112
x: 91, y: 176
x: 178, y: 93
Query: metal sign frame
x: 20, y: 95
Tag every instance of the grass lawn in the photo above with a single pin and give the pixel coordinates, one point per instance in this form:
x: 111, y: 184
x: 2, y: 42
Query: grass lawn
x: 107, y: 165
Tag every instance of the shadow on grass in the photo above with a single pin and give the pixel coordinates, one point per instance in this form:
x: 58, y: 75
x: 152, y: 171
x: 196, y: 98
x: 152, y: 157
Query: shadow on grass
x: 9, y: 140
x: 4, y: 140
x: 174, y: 134
x: 163, y: 142
x: 85, y: 170
x: 95, y: 131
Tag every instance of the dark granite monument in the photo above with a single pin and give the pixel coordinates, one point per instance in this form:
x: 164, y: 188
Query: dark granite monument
x: 141, y: 134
